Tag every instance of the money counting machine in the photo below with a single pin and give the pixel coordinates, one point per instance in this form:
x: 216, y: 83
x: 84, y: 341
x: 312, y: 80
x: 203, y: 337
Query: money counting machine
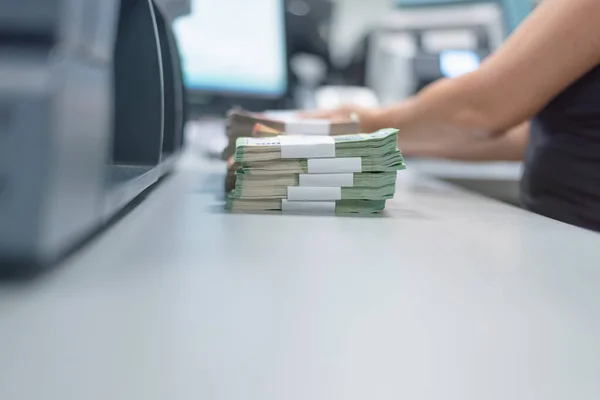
x: 91, y: 116
x: 412, y: 47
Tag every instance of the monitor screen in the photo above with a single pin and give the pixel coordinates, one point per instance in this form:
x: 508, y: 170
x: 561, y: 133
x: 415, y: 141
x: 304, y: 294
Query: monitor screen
x: 234, y: 46
x: 454, y: 63
x: 515, y: 11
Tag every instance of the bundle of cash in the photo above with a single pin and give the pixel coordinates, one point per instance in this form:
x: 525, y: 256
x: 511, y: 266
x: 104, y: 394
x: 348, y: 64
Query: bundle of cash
x: 353, y: 173
x: 376, y: 145
x: 364, y: 207
x: 240, y: 123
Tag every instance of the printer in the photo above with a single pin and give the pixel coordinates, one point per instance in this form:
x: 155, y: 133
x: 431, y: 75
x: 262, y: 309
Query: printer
x: 91, y: 116
x: 412, y: 47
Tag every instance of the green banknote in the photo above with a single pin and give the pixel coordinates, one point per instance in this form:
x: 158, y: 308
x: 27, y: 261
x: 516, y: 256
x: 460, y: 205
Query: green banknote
x: 347, y: 193
x: 341, y: 206
x: 376, y: 144
x: 389, y: 162
x: 362, y: 179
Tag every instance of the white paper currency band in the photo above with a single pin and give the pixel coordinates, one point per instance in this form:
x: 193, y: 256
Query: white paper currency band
x: 308, y: 127
x: 334, y: 165
x: 325, y: 207
x: 327, y: 180
x: 305, y: 193
x: 301, y: 146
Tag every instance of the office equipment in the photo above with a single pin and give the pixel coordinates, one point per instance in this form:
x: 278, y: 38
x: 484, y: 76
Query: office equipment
x: 514, y: 11
x: 425, y: 40
x: 412, y: 47
x: 91, y: 99
x: 175, y: 8
x: 454, y: 63
x: 234, y: 47
x: 308, y: 29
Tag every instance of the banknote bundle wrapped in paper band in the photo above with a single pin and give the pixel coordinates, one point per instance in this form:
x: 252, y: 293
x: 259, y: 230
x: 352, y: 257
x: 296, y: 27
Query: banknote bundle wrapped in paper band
x: 239, y: 126
x: 240, y: 123
x: 353, y: 173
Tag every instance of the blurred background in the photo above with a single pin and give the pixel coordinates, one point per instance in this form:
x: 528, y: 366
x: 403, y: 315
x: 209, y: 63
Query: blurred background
x: 306, y: 53
x: 98, y: 98
x: 309, y: 54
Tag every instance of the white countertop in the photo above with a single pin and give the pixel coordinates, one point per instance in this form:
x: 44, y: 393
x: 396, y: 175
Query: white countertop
x: 448, y: 169
x: 448, y: 295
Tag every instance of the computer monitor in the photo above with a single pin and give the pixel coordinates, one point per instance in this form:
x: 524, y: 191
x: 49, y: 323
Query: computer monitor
x: 234, y: 47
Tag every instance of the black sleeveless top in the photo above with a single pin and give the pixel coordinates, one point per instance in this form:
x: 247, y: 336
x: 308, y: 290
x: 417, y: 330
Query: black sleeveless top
x: 561, y: 179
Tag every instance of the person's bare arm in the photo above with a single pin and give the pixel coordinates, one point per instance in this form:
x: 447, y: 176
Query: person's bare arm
x: 509, y: 146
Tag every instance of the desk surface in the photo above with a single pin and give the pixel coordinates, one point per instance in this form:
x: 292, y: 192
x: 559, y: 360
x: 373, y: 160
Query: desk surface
x: 447, y: 296
x: 490, y: 171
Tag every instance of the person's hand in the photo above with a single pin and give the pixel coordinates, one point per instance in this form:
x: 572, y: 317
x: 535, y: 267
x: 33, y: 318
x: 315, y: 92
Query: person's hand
x: 368, y: 117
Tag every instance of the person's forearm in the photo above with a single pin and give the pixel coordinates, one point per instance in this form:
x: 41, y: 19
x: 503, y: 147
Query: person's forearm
x: 447, y: 120
x: 510, y: 146
x: 449, y: 107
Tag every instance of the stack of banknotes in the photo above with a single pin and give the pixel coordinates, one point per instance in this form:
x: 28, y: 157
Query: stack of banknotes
x: 353, y: 173
x: 242, y: 123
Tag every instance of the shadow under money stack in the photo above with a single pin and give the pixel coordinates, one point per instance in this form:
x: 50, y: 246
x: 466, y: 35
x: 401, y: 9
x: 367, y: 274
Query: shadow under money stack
x: 352, y: 174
